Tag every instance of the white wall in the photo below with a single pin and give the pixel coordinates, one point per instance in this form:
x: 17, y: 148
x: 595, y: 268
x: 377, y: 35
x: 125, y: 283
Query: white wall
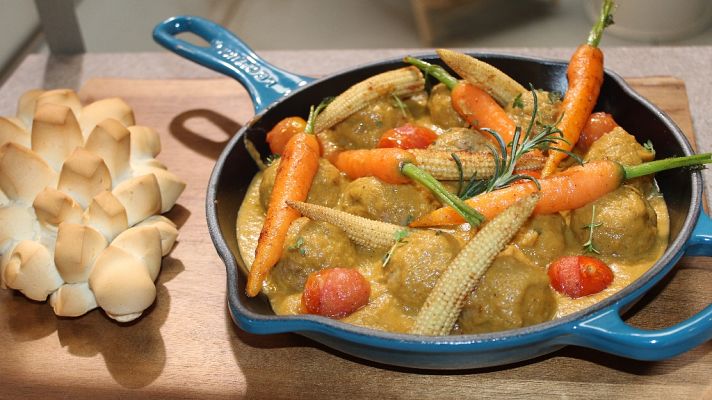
x: 18, y: 20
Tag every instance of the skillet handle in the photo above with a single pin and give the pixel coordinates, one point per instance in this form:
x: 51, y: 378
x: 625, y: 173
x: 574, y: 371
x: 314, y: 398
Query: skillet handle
x: 606, y: 330
x: 228, y: 55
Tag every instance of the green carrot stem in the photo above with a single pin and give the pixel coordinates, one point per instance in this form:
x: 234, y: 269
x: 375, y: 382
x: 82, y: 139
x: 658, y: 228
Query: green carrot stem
x: 435, y: 71
x: 635, y: 171
x: 470, y: 215
x: 604, y: 20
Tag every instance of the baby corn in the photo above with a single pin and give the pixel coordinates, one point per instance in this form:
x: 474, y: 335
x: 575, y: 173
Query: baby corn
x: 363, y: 231
x: 444, y: 303
x: 442, y: 166
x: 400, y: 82
x: 495, y: 82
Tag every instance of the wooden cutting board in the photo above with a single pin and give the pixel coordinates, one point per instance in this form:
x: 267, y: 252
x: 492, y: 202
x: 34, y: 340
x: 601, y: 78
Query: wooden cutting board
x: 186, y: 345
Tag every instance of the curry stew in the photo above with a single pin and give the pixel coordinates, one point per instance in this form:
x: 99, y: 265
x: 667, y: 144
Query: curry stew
x: 631, y: 230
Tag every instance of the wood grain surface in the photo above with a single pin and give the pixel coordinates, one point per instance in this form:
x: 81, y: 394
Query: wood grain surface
x: 186, y: 345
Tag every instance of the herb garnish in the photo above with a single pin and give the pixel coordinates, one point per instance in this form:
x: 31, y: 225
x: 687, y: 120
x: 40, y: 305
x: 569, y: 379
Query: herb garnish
x: 518, y: 103
x: 648, y: 145
x: 400, y: 104
x: 588, y: 246
x: 399, y: 237
x: 505, y: 161
x: 298, y: 245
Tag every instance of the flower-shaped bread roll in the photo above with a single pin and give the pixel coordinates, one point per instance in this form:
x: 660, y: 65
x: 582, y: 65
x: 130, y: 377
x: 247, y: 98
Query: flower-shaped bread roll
x: 80, y: 194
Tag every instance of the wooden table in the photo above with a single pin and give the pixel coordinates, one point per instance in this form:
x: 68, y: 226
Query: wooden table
x: 186, y: 346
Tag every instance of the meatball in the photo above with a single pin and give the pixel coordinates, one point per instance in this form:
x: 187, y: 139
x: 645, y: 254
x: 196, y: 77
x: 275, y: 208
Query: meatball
x: 416, y: 264
x: 398, y: 204
x: 461, y: 139
x: 364, y: 128
x: 311, y: 246
x: 441, y: 111
x: 620, y: 146
x: 513, y: 293
x: 542, y: 238
x: 548, y: 108
x: 325, y: 189
x: 628, y: 224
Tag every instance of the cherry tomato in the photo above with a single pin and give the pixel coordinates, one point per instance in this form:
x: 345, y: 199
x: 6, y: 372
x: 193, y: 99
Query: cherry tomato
x: 408, y: 136
x: 598, y: 124
x: 577, y: 276
x: 335, y: 292
x: 280, y: 134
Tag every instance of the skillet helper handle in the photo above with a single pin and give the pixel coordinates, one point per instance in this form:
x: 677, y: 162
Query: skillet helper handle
x: 228, y: 55
x: 606, y: 330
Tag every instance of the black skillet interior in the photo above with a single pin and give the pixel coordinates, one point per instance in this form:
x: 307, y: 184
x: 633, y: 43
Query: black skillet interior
x: 235, y: 171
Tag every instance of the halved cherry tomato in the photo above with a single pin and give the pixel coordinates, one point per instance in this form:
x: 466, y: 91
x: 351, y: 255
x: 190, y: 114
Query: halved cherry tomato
x: 280, y: 134
x: 335, y: 292
x: 577, y: 276
x: 599, y: 123
x: 408, y: 136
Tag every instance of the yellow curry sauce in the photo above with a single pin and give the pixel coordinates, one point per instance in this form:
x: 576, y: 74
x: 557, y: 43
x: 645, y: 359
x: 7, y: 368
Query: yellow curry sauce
x: 515, y: 291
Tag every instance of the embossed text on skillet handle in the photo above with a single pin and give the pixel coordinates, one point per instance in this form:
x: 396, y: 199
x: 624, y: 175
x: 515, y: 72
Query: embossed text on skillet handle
x: 227, y: 54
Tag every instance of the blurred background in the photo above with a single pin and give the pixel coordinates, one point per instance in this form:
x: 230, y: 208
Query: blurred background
x: 125, y: 26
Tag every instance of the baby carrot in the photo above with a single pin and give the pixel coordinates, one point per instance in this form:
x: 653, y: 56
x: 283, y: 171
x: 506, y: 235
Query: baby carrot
x: 297, y: 167
x: 280, y: 134
x: 585, y: 76
x: 567, y: 190
x: 479, y: 109
x: 473, y: 104
x: 383, y: 163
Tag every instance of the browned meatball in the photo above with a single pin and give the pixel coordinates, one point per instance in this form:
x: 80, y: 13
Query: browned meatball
x: 311, y: 246
x: 416, y: 264
x: 325, y: 189
x: 513, y: 293
x: 548, y: 108
x: 628, y: 224
x: 364, y: 128
x: 371, y: 198
x: 441, y: 111
x: 620, y: 146
x: 461, y: 139
x: 542, y: 238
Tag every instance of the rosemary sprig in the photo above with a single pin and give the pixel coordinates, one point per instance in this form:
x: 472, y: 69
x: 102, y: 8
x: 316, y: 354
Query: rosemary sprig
x: 505, y: 161
x: 588, y: 246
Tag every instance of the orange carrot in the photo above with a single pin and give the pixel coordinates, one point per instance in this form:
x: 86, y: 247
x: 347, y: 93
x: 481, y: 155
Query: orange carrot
x: 384, y: 163
x: 473, y: 104
x: 295, y: 173
x: 567, y: 190
x: 482, y: 111
x: 598, y: 124
x: 570, y: 189
x: 585, y: 76
x: 280, y: 134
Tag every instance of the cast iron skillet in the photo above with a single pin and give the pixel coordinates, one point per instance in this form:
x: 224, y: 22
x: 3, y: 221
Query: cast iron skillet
x: 278, y: 94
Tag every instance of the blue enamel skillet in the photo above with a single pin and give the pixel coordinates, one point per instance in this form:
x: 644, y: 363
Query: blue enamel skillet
x: 277, y: 94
